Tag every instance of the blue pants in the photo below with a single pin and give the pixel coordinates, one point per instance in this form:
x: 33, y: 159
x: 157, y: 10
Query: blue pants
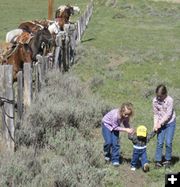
x: 111, y: 145
x: 137, y: 154
x: 166, y: 133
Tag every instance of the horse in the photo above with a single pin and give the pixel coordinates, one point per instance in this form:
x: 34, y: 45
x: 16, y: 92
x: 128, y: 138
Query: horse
x: 71, y: 10
x: 26, y: 47
x: 38, y: 38
x: 41, y: 42
x: 30, y: 26
x: 63, y: 13
x: 17, y: 55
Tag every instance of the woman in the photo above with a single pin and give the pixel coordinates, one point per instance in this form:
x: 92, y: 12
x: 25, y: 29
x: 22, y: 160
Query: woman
x: 111, y: 125
x: 164, y: 123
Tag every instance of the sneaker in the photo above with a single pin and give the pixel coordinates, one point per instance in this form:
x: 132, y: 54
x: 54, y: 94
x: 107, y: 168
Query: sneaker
x: 116, y: 164
x: 107, y: 160
x: 133, y: 168
x: 167, y: 163
x: 146, y: 167
x: 158, y: 165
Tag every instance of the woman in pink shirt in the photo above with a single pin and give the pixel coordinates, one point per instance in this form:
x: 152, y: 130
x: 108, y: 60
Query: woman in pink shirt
x: 111, y: 125
x: 164, y: 123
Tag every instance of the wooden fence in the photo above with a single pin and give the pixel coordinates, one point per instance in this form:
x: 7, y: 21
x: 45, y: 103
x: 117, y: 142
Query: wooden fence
x: 19, y: 96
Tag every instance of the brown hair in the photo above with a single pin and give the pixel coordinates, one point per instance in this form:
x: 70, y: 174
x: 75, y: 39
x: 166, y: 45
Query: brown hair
x: 127, y: 106
x: 161, y: 89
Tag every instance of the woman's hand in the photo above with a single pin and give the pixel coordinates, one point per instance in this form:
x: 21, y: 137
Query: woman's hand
x: 157, y: 126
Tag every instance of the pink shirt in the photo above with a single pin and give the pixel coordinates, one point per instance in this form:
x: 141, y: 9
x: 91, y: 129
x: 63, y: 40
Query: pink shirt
x: 113, y: 121
x: 163, y: 111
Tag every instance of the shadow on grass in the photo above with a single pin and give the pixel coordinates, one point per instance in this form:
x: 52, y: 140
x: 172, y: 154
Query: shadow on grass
x: 174, y: 160
x: 88, y: 40
x: 125, y: 160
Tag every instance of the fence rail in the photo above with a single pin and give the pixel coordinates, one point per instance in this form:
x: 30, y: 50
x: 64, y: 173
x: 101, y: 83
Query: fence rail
x: 29, y: 83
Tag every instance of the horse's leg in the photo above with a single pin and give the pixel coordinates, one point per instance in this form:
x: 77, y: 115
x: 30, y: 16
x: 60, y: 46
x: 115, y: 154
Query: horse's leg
x: 15, y: 63
x: 15, y: 72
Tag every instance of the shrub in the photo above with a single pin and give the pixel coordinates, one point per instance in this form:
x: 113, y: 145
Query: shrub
x: 54, y: 141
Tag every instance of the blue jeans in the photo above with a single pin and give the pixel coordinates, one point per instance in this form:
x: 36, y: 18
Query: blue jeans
x: 166, y: 133
x: 111, y: 145
x: 137, y: 154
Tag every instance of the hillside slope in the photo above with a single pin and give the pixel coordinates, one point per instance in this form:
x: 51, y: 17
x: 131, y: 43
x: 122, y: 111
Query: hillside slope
x: 128, y: 48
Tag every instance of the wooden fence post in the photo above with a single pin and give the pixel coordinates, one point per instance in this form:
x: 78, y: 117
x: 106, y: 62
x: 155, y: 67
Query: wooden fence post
x: 8, y: 106
x: 27, y: 85
x: 2, y: 91
x: 19, y: 96
x: 37, y: 86
x: 50, y: 9
x: 41, y: 68
x: 79, y: 30
x: 46, y: 63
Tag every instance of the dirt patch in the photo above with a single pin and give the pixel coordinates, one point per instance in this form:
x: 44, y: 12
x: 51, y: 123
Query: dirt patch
x: 133, y: 178
x: 115, y: 61
x: 126, y: 177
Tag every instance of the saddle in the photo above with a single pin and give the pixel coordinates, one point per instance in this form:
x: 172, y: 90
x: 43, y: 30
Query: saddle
x: 24, y: 38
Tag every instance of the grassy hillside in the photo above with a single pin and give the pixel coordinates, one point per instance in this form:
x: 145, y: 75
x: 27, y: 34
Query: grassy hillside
x: 129, y: 47
x: 127, y: 50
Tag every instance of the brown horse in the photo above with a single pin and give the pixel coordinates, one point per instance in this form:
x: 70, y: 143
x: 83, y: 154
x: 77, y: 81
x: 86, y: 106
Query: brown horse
x: 17, y: 55
x: 30, y: 26
x: 41, y: 41
x: 63, y: 13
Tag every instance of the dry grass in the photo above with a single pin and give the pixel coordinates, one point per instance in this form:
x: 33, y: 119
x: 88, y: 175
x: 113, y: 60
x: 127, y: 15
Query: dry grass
x: 171, y: 1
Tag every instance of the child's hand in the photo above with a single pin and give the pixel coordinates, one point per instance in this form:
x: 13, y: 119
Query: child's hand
x: 130, y: 130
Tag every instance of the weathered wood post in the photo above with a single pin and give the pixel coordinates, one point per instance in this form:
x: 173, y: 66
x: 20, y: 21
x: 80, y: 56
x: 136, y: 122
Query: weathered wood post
x: 19, y: 96
x: 50, y: 9
x: 46, y: 63
x: 27, y: 85
x: 7, y: 93
x: 41, y: 68
x: 79, y: 30
x: 57, y: 57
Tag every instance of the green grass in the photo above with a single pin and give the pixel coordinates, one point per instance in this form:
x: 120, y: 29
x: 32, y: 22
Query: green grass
x: 131, y: 51
x: 126, y: 51
x: 14, y: 12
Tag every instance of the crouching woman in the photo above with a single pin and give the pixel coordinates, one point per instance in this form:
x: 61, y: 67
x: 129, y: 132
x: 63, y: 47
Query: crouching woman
x: 111, y: 126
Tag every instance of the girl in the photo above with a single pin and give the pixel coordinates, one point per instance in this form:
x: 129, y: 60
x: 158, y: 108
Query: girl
x: 165, y: 123
x: 111, y: 125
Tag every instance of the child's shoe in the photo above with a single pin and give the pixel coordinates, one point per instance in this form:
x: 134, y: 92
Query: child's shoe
x: 107, y: 160
x: 116, y: 164
x: 158, y: 165
x: 133, y: 168
x: 146, y: 167
x: 167, y: 163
